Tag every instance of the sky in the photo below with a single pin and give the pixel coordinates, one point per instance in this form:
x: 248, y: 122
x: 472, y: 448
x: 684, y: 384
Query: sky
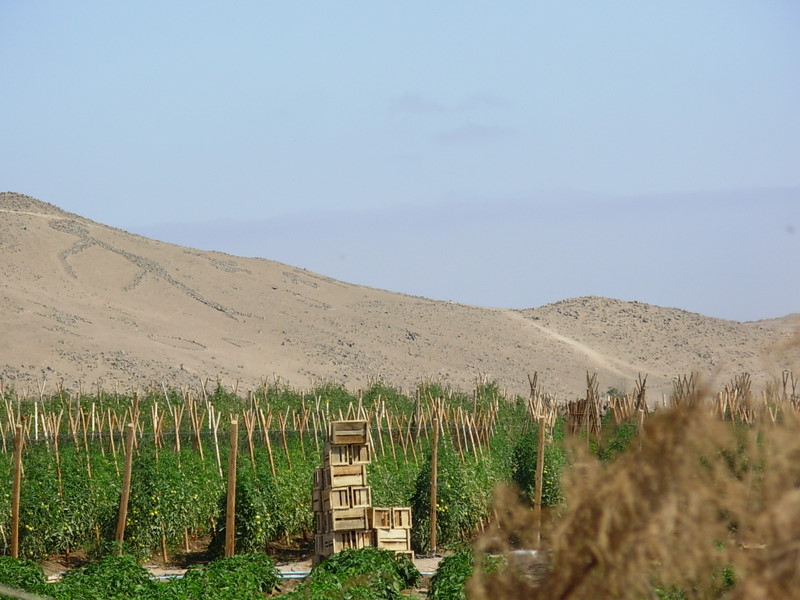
x: 505, y: 154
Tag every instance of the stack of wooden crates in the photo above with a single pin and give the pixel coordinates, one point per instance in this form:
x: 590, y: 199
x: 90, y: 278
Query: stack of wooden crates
x: 342, y: 500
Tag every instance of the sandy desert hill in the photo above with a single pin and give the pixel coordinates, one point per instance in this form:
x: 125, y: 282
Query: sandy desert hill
x: 90, y: 305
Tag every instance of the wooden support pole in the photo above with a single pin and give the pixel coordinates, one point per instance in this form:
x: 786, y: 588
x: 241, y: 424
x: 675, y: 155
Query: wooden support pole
x: 391, y: 436
x: 250, y: 425
x: 214, y: 418
x: 265, y: 423
x: 379, y: 422
x: 539, y: 482
x: 16, y: 488
x: 122, y: 516
x: 283, y: 420
x: 434, y: 478
x: 230, y: 517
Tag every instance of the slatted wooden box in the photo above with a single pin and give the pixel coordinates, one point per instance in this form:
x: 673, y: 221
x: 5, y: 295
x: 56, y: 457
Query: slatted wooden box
x: 380, y: 517
x: 401, y: 517
x: 319, y: 478
x: 338, y: 476
x: 319, y: 522
x: 347, y: 432
x: 316, y: 500
x: 345, y: 519
x: 360, y: 496
x: 343, y: 540
x: 346, y: 454
x: 398, y: 540
x: 333, y: 498
x: 360, y: 454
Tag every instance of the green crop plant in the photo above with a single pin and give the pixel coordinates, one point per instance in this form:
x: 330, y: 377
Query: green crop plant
x: 241, y: 577
x: 365, y: 574
x: 259, y: 518
x: 460, y: 504
x: 524, y: 461
x: 22, y: 574
x: 112, y: 578
x: 175, y: 493
x: 451, y: 577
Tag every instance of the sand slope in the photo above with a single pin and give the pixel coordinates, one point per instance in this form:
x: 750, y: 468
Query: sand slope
x: 93, y: 305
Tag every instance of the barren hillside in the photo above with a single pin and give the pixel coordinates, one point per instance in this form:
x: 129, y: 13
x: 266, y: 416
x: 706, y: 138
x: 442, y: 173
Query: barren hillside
x: 91, y: 305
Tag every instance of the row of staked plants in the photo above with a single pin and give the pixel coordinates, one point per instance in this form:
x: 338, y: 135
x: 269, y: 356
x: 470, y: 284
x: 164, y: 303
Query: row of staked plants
x: 177, y: 495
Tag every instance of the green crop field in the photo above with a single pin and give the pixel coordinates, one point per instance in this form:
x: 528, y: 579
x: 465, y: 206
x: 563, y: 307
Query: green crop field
x: 621, y: 485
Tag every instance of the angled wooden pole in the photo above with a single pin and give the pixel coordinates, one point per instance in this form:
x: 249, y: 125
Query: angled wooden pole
x: 122, y: 516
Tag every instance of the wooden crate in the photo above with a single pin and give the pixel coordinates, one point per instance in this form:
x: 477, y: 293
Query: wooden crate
x: 347, y: 432
x: 336, y: 454
x: 333, y: 498
x: 339, y: 476
x: 344, y: 540
x: 319, y: 522
x: 379, y: 517
x: 360, y: 454
x: 346, y: 519
x: 393, y: 539
x: 319, y: 544
x: 360, y: 496
x: 346, y: 454
x: 401, y: 517
x: 319, y: 478
x: 316, y: 500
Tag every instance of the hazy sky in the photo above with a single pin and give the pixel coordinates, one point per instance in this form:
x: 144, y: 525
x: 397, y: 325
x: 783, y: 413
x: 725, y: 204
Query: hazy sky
x: 494, y: 153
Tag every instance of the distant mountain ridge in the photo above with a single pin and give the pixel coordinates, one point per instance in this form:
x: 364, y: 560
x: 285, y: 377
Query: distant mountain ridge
x: 92, y: 305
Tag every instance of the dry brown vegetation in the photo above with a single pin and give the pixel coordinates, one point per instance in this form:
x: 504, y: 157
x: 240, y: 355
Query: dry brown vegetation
x: 700, y: 500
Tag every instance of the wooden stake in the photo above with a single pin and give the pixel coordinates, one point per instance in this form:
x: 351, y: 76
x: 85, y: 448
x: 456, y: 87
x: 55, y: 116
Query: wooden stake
x: 249, y: 425
x: 122, y: 516
x: 283, y: 436
x: 316, y: 438
x: 214, y: 419
x: 16, y: 488
x: 86, y: 444
x: 164, y: 556
x: 434, y: 482
x: 55, y: 427
x: 265, y: 423
x: 539, y: 482
x: 379, y: 423
x: 230, y: 517
x: 391, y: 436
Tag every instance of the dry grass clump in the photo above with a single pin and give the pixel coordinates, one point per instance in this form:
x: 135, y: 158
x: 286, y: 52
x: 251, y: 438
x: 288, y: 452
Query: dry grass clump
x: 696, y: 504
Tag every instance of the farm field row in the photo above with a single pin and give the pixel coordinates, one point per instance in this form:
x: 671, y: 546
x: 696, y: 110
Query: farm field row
x: 617, y: 475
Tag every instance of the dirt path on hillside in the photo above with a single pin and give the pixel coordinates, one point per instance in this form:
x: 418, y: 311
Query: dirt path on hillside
x: 600, y: 359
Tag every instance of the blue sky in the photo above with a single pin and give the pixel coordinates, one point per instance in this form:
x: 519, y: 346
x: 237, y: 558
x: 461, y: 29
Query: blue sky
x: 503, y: 154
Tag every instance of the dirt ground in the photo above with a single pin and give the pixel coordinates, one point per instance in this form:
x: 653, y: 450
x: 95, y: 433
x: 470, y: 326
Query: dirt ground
x: 55, y: 567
